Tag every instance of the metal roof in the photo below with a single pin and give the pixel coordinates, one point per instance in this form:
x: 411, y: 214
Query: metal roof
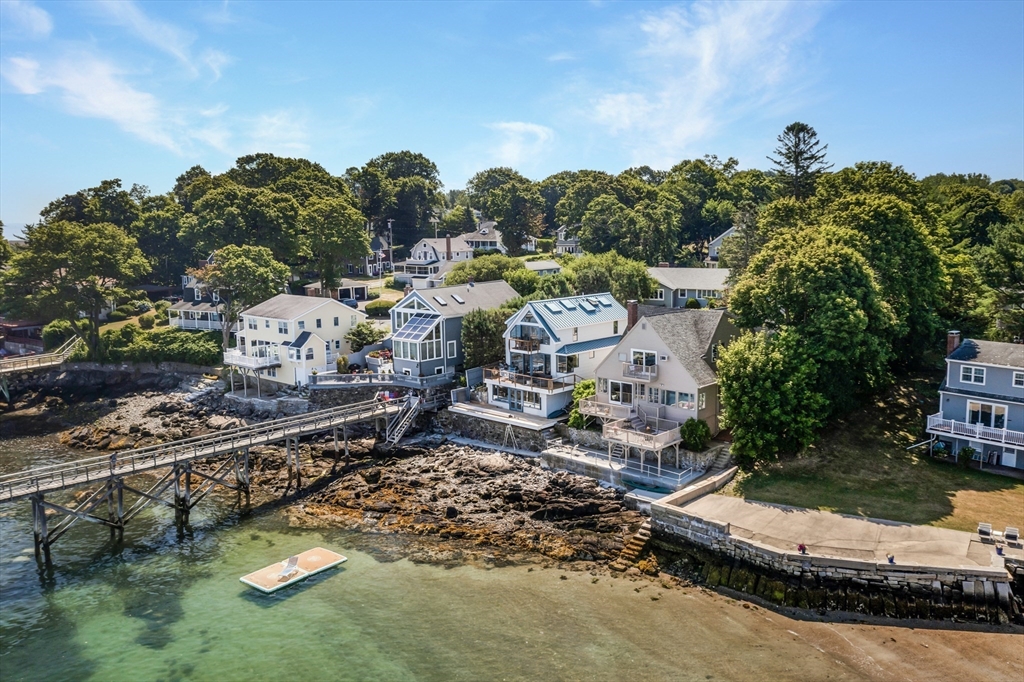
x: 603, y: 308
x: 584, y: 346
x: 691, y: 278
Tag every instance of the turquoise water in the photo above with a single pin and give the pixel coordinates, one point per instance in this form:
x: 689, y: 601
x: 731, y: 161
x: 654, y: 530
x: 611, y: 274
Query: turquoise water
x: 164, y: 607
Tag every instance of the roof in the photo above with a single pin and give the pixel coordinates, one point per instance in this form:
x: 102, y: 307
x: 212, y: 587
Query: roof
x: 946, y: 388
x: 652, y: 310
x: 688, y: 332
x: 290, y: 306
x: 417, y: 327
x: 484, y: 295
x: 344, y: 283
x: 717, y: 241
x: 584, y: 346
x: 577, y: 311
x: 990, y: 353
x: 301, y: 340
x: 536, y: 265
x: 205, y: 306
x: 691, y: 278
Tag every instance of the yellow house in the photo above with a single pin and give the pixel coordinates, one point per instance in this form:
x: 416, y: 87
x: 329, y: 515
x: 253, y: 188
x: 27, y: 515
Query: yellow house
x: 287, y: 338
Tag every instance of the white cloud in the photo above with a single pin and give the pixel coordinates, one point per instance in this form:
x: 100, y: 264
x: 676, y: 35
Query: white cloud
x: 280, y: 132
x: 699, y: 67
x: 521, y: 142
x: 90, y: 86
x: 561, y: 57
x: 26, y: 18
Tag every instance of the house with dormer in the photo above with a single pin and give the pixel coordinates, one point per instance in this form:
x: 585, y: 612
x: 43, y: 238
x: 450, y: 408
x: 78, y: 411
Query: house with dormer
x: 715, y: 245
x: 550, y: 346
x: 199, y: 308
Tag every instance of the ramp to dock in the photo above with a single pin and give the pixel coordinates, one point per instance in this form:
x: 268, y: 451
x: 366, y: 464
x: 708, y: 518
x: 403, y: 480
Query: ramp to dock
x: 310, y: 562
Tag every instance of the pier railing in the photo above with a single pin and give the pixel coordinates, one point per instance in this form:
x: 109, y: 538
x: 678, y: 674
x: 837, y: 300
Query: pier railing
x: 27, y: 362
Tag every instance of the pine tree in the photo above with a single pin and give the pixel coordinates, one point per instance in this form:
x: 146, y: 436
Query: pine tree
x: 801, y: 160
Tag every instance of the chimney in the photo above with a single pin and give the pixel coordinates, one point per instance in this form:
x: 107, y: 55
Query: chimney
x: 408, y: 289
x: 448, y: 245
x: 469, y: 282
x: 663, y: 264
x: 632, y: 314
x: 952, y: 341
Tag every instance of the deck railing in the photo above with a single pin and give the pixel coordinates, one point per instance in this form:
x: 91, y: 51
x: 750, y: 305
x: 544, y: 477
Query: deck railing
x: 976, y: 431
x: 641, y: 372
x: 258, y: 361
x: 532, y: 345
x: 531, y: 381
x: 594, y: 408
x: 334, y: 380
x: 657, y: 433
x: 57, y: 357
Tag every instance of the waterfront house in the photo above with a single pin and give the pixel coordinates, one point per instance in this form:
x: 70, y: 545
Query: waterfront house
x: 543, y: 267
x: 982, y: 401
x: 676, y: 286
x: 348, y: 288
x: 549, y: 347
x: 286, y: 339
x: 200, y: 307
x: 427, y: 325
x: 566, y: 243
x: 486, y: 238
x: 713, y: 247
x: 663, y: 369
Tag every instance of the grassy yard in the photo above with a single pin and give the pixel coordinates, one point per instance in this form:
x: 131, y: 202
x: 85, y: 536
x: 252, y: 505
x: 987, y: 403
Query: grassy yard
x: 861, y: 466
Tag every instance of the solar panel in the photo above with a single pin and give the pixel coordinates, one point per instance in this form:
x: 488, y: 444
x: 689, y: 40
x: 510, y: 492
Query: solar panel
x: 587, y: 307
x: 568, y: 304
x: 458, y: 299
x: 552, y: 307
x: 416, y: 328
x: 440, y: 300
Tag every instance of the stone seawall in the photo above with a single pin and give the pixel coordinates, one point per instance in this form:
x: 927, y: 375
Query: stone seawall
x: 709, y: 549
x: 490, y: 432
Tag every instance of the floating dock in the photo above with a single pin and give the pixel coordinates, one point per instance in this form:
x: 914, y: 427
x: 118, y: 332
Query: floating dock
x: 297, y: 568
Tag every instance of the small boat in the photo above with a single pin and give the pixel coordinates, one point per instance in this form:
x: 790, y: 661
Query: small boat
x: 296, y: 568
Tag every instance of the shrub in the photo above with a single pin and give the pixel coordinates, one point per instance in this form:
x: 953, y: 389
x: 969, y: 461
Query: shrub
x: 965, y: 456
x: 692, y: 303
x: 116, y: 316
x: 132, y: 344
x: 696, y: 434
x: 127, y: 308
x: 390, y: 283
x: 546, y: 245
x: 372, y: 295
x: 584, y: 389
x: 57, y: 333
x: 364, y: 334
x: 147, y: 321
x: 379, y: 308
x: 342, y: 364
x: 161, y: 307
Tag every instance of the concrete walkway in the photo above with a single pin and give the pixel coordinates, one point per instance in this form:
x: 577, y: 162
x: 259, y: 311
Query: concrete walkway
x: 847, y: 537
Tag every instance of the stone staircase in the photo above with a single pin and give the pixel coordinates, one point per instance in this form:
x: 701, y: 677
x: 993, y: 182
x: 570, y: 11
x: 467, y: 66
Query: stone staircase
x: 631, y: 552
x: 722, y: 460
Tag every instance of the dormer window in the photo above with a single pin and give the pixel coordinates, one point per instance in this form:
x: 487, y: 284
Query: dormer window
x: 216, y: 297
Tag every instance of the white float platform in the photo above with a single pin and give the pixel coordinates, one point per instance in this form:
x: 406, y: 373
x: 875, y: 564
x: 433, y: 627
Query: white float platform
x: 311, y: 562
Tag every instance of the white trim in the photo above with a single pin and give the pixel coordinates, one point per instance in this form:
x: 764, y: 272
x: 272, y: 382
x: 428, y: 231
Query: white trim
x: 452, y: 350
x: 973, y: 369
x: 983, y: 364
x: 1016, y: 376
x: 979, y: 401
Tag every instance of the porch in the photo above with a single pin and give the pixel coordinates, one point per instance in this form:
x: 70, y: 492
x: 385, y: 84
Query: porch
x: 335, y: 380
x: 535, y: 382
x: 262, y: 360
x: 979, y: 432
x: 622, y: 471
x: 501, y: 415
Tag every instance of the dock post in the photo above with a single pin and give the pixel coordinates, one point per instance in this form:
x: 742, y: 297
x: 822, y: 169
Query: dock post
x: 36, y: 533
x: 245, y: 474
x: 344, y: 429
x: 298, y: 470
x: 109, y: 494
x: 120, y: 509
x: 186, y: 500
x: 178, y: 512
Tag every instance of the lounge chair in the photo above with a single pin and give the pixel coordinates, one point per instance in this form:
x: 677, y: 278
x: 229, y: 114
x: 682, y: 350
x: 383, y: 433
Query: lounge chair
x: 1011, y: 535
x: 985, y: 531
x: 290, y: 567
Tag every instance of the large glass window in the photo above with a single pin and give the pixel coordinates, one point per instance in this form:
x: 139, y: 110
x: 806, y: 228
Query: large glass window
x: 621, y: 393
x: 986, y: 414
x: 567, y: 363
x: 647, y: 358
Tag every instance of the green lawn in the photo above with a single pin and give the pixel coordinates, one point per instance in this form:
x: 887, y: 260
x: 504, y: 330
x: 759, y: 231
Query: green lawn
x: 861, y: 466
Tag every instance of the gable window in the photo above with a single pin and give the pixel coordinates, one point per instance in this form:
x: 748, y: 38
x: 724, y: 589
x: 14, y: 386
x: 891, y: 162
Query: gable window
x: 602, y: 385
x: 575, y: 333
x: 302, y: 325
x: 216, y: 296
x: 615, y: 327
x: 986, y: 414
x: 318, y: 323
x: 645, y: 358
x: 1018, y: 379
x: 972, y: 375
x: 309, y: 353
x: 282, y: 327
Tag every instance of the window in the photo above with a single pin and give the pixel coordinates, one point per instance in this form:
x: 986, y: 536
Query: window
x: 621, y: 393
x: 302, y: 325
x: 309, y: 353
x: 439, y: 370
x: 567, y: 363
x: 659, y: 295
x: 575, y: 333
x: 1018, y: 379
x: 986, y: 414
x: 352, y: 321
x: 602, y: 385
x: 293, y: 353
x: 640, y: 390
x: 350, y: 268
x: 282, y: 327
x: 337, y: 344
x: 318, y: 325
x: 216, y: 297
x: 668, y: 397
x: 336, y: 322
x: 972, y: 375
x: 615, y: 327
x: 653, y: 395
x: 252, y: 323
x: 701, y: 400
x: 451, y: 349
x: 266, y: 324
x: 708, y: 293
x: 197, y: 294
x: 645, y: 358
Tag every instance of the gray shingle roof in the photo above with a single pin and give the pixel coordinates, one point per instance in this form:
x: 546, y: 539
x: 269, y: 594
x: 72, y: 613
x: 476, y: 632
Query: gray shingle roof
x: 688, y: 334
x: 484, y: 296
x: 990, y: 352
x: 288, y: 306
x: 536, y: 265
x: 197, y: 306
x: 690, y: 278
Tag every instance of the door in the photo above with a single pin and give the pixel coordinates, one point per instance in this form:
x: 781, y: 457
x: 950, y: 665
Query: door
x: 515, y: 400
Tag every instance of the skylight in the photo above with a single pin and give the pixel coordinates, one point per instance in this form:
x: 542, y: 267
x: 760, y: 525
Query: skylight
x: 568, y: 304
x: 604, y: 301
x: 552, y: 307
x: 458, y: 299
x: 586, y: 306
x: 440, y: 300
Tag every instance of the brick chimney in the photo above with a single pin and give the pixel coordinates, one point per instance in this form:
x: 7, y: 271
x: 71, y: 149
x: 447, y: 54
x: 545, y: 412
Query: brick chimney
x: 663, y: 264
x: 448, y: 246
x: 632, y: 314
x: 408, y: 289
x: 952, y: 341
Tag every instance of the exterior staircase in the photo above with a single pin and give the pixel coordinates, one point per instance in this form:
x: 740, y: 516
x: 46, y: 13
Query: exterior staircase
x: 618, y: 450
x: 722, y: 460
x: 401, y: 423
x: 638, y: 423
x: 631, y: 552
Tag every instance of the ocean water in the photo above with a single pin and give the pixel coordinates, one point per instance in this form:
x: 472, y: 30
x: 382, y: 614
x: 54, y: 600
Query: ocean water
x: 166, y: 607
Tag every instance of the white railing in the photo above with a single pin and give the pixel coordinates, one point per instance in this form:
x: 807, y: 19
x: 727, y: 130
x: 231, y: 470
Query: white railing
x: 57, y: 357
x: 335, y: 380
x: 975, y: 431
x: 594, y: 408
x: 658, y: 433
x: 238, y: 359
x: 641, y: 372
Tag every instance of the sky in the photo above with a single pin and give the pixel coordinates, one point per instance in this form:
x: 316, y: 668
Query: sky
x: 142, y: 91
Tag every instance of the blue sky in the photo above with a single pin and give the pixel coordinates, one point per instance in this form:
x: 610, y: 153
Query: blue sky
x: 143, y: 91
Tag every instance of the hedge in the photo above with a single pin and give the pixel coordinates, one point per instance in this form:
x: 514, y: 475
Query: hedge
x: 132, y: 344
x: 379, y: 308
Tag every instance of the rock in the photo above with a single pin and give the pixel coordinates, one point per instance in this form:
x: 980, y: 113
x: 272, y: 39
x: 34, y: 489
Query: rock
x: 450, y: 512
x: 220, y: 422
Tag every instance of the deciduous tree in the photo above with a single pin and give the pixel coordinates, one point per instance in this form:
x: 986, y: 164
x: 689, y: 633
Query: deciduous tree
x: 332, y: 231
x: 482, y: 340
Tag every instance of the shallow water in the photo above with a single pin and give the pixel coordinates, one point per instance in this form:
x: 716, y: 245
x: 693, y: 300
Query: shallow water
x: 164, y: 607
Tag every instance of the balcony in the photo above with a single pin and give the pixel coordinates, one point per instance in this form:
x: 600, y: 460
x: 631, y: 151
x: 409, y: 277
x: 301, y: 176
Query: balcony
x: 335, y: 380
x: 529, y: 345
x: 531, y: 381
x: 639, y: 372
x: 594, y: 408
x: 258, y: 361
x: 651, y: 433
x: 980, y: 432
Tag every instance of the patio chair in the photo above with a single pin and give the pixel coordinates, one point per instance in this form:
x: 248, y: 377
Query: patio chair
x: 290, y: 567
x: 1011, y: 535
x: 985, y: 531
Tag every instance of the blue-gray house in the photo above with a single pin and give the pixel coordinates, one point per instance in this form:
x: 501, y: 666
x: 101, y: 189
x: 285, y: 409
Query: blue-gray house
x: 427, y: 325
x: 982, y: 401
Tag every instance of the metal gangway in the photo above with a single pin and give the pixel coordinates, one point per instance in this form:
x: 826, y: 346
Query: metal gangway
x: 31, y: 363
x: 110, y: 471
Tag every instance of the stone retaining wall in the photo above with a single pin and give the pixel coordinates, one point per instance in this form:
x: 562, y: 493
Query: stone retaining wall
x: 793, y: 579
x: 488, y: 431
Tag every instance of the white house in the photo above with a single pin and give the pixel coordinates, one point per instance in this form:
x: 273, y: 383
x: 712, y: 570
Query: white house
x: 549, y: 347
x: 676, y: 286
x: 713, y: 247
x: 564, y: 243
x: 543, y: 267
x: 287, y: 338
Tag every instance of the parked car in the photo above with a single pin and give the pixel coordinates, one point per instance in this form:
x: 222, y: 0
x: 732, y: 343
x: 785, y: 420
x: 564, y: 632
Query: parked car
x: 350, y: 302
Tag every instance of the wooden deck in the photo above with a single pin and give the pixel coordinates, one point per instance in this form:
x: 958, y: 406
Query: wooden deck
x: 311, y: 562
